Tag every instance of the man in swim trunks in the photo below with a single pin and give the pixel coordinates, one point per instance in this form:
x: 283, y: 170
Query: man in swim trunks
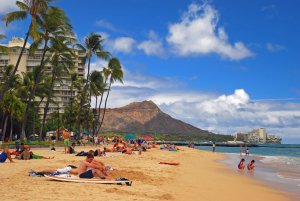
x: 5, y: 154
x: 88, y: 169
x: 66, y: 138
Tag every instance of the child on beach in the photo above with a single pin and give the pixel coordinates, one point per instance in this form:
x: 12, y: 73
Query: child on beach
x: 251, y: 165
x: 241, y: 165
x: 247, y: 152
x: 241, y: 150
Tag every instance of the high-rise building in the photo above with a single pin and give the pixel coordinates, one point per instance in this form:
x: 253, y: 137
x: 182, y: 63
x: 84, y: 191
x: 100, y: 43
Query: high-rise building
x: 62, y: 88
x: 262, y: 135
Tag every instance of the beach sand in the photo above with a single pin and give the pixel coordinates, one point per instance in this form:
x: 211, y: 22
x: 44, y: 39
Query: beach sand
x: 198, y: 177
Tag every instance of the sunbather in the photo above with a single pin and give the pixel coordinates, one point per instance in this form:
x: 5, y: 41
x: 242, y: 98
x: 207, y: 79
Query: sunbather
x: 89, y: 168
x: 5, y: 154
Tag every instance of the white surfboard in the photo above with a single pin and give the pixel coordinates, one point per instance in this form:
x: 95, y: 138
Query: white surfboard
x: 82, y: 180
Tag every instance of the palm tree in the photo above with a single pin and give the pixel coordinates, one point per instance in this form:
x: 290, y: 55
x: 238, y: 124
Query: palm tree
x: 61, y: 62
x: 6, y: 72
x: 97, y: 87
x: 13, y: 107
x: 3, y: 48
x: 32, y: 8
x: 26, y: 85
x: 77, y: 84
x: 92, y: 46
x: 114, y: 69
x: 55, y: 26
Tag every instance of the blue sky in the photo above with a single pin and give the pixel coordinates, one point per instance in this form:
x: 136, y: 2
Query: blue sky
x: 224, y: 66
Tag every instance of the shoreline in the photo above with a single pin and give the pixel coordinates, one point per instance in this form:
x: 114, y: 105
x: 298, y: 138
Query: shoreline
x: 198, y: 177
x: 265, y: 174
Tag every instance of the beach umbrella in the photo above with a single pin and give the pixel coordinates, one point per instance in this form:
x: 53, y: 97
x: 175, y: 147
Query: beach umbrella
x: 130, y: 136
x: 147, y: 138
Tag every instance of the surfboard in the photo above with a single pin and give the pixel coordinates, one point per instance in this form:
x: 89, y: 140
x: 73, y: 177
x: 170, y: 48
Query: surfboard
x: 169, y: 163
x: 82, y: 180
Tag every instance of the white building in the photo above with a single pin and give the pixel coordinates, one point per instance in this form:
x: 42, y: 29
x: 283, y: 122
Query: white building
x: 62, y: 89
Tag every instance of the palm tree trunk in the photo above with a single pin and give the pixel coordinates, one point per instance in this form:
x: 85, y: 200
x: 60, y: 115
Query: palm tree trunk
x: 11, y: 77
x: 105, y: 106
x: 4, y: 127
x: 94, y: 115
x: 32, y: 91
x: 11, y: 128
x: 2, y: 120
x: 99, y: 108
x: 47, y: 105
x: 83, y: 97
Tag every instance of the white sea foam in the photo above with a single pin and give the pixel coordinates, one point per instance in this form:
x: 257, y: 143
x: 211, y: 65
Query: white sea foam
x: 292, y: 162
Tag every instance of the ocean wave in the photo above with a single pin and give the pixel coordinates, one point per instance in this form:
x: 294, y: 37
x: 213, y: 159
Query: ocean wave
x: 282, y: 160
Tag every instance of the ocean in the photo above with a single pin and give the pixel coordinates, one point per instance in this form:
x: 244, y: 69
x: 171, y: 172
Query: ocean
x: 277, y: 166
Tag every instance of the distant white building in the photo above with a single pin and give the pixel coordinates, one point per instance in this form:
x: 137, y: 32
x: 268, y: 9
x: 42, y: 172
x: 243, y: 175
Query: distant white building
x: 262, y: 135
x: 257, y: 136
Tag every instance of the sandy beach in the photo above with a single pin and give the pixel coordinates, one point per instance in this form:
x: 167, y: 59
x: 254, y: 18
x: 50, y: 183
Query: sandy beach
x: 198, y: 177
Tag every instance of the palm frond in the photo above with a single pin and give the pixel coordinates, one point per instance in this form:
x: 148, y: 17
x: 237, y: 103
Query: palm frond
x: 23, y: 6
x: 12, y: 16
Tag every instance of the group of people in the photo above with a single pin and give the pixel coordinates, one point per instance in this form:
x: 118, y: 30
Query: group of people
x: 22, y: 152
x: 250, y: 166
x: 247, y: 152
x: 169, y: 147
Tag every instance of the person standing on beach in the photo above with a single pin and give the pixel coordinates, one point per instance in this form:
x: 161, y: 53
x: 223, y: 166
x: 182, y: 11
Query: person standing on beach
x: 251, y: 165
x: 241, y: 150
x: 247, y: 151
x: 66, y: 139
x: 214, y: 146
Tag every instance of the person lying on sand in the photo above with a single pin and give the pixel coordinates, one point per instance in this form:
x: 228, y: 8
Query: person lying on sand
x: 70, y: 169
x: 5, y: 154
x: 97, y: 152
x: 88, y: 169
x: 27, y: 154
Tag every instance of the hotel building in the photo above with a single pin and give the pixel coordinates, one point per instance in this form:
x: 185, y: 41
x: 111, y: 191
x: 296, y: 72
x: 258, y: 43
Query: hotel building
x: 62, y: 88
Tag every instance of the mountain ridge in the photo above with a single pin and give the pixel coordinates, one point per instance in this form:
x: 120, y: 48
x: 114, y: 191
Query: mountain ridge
x: 146, y: 117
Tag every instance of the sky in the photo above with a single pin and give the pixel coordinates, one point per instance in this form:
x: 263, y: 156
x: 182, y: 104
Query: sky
x: 223, y: 66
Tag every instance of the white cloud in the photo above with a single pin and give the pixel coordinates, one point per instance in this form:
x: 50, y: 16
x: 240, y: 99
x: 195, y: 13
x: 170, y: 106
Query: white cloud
x: 219, y: 113
x: 153, y: 46
x: 97, y: 65
x: 269, y: 7
x: 7, y: 5
x: 225, y: 103
x: 275, y: 47
x: 122, y: 44
x: 197, y: 34
x: 107, y: 25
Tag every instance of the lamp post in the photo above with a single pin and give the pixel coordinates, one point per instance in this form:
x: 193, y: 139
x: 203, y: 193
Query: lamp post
x: 33, y: 126
x: 57, y: 120
x: 71, y: 113
x: 94, y: 120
